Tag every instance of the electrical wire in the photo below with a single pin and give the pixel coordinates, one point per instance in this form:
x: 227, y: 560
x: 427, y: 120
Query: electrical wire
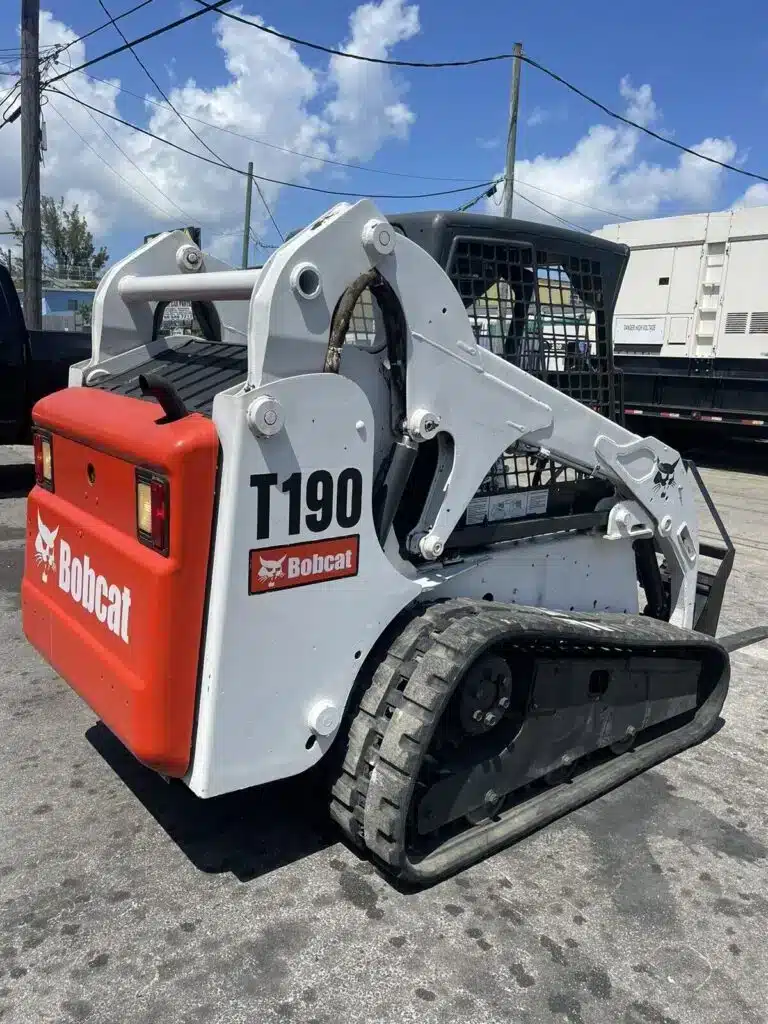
x: 349, y: 166
x: 272, y: 145
x: 357, y: 56
x: 186, y: 124
x: 107, y: 24
x: 106, y: 162
x: 131, y: 161
x: 141, y: 39
x: 391, y: 62
x: 273, y: 181
x: 568, y: 223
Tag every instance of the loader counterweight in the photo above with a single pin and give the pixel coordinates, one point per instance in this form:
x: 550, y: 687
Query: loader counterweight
x: 118, y: 620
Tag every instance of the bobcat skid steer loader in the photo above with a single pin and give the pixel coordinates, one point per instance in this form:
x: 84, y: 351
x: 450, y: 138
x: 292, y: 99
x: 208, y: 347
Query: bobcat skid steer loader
x: 289, y: 537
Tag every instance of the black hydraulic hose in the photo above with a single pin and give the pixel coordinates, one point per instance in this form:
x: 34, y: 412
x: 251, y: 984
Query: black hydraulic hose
x: 649, y: 576
x: 166, y: 394
x: 395, y: 330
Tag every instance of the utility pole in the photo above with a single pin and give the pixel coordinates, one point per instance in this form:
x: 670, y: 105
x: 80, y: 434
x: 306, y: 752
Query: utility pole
x: 514, y: 103
x: 30, y: 163
x: 247, y: 228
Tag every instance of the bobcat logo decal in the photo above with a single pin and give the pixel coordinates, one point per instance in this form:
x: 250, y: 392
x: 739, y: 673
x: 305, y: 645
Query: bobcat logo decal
x: 271, y: 571
x: 44, y: 548
x: 665, y: 477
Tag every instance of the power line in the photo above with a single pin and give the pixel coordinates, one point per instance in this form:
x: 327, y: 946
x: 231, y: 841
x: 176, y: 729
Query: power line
x: 568, y: 223
x: 274, y: 181
x: 575, y: 202
x: 180, y: 116
x: 341, y: 163
x: 131, y: 161
x: 118, y: 17
x: 142, y: 39
x: 107, y: 163
x: 281, y: 149
x: 391, y: 62
x: 640, y: 127
x: 357, y: 56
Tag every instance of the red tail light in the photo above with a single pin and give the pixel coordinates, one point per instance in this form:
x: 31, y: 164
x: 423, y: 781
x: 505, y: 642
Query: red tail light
x: 43, y: 448
x: 153, y: 511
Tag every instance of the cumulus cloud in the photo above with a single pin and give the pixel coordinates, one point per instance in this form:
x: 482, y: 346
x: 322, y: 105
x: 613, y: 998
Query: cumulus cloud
x: 603, y: 177
x: 343, y: 110
x: 756, y: 195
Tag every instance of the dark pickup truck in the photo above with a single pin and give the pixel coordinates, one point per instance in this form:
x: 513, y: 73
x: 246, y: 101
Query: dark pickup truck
x: 32, y: 363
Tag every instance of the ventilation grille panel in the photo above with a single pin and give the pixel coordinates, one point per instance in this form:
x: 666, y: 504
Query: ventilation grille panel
x: 759, y: 323
x: 736, y: 323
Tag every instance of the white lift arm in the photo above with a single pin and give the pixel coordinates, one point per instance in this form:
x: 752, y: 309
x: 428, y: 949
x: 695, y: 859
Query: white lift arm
x: 479, y: 400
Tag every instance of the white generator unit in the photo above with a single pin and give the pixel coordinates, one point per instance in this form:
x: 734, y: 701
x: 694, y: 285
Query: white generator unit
x: 691, y: 319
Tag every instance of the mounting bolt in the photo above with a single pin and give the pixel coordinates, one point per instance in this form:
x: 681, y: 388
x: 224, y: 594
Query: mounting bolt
x: 490, y: 719
x: 431, y: 546
x: 265, y: 416
x: 491, y: 797
x: 666, y: 524
x: 477, y: 715
x: 189, y: 259
x: 379, y: 235
x: 631, y: 731
x: 503, y: 702
x: 323, y: 718
x: 422, y: 425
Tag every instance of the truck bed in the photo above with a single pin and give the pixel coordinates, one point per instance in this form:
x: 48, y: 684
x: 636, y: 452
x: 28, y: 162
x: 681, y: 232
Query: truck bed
x: 198, y: 370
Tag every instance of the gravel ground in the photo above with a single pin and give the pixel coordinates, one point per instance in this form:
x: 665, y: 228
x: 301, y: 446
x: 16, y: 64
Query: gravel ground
x: 125, y: 900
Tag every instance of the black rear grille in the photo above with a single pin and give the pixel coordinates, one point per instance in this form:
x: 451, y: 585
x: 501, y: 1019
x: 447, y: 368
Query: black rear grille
x: 198, y: 370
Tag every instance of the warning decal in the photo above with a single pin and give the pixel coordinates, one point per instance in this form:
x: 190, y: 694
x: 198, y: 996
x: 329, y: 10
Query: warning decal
x: 298, y: 565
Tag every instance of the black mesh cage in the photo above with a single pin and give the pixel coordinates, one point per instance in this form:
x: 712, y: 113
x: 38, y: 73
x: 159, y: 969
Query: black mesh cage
x: 543, y: 311
x: 543, y: 299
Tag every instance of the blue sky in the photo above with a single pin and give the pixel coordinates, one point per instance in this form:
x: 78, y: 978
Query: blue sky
x: 686, y: 70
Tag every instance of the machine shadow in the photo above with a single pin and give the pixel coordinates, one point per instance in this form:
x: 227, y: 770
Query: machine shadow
x: 16, y: 480
x: 248, y: 833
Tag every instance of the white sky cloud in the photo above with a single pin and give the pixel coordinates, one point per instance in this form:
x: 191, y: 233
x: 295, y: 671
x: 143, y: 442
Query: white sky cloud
x: 756, y: 195
x: 536, y: 117
x: 604, y: 170
x: 346, y: 111
x: 342, y: 109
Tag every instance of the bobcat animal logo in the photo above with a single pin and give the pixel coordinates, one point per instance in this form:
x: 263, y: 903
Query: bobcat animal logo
x: 271, y: 571
x: 44, y: 548
x: 664, y: 477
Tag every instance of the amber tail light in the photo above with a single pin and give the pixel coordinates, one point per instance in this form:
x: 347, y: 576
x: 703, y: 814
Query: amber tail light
x: 153, y: 524
x: 43, y: 449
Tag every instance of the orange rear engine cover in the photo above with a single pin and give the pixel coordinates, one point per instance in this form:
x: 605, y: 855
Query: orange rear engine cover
x: 120, y: 622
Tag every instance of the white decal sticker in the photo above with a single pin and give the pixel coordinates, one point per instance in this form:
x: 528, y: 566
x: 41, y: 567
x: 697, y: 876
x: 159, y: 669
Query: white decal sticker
x: 477, y: 511
x: 507, y: 506
x: 537, y: 502
x: 77, y: 578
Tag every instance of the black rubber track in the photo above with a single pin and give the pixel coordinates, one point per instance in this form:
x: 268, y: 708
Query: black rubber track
x: 377, y: 697
x: 390, y: 733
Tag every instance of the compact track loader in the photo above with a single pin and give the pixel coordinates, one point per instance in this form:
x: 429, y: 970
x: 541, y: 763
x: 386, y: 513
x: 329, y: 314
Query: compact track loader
x: 378, y: 510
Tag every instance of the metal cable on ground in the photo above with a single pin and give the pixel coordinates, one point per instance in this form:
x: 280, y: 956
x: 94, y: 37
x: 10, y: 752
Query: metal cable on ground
x: 274, y: 181
x: 141, y: 39
x: 392, y: 62
x: 180, y: 116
